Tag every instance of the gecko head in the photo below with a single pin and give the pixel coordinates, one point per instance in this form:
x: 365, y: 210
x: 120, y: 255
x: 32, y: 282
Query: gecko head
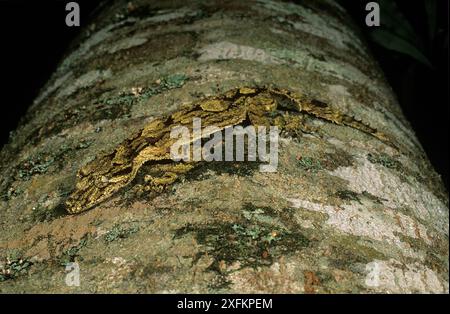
x: 82, y: 199
x: 74, y: 205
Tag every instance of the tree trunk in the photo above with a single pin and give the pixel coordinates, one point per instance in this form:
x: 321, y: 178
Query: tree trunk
x: 344, y: 212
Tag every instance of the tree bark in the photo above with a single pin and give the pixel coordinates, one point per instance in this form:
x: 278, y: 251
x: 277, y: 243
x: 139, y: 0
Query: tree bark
x: 344, y: 213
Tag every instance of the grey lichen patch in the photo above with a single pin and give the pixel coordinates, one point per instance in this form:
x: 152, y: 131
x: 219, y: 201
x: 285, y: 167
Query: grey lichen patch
x: 228, y: 50
x: 164, y: 46
x: 85, y: 81
x: 127, y: 43
x: 249, y: 244
x: 136, y: 94
x: 88, y: 47
x: 283, y: 217
x: 42, y: 162
x: 305, y: 19
x: 22, y: 177
x: 147, y: 15
x: 174, y: 17
x: 386, y: 184
x: 372, y: 221
x: 393, y: 276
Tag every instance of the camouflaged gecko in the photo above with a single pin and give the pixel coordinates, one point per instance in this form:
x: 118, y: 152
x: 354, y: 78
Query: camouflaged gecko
x: 107, y: 174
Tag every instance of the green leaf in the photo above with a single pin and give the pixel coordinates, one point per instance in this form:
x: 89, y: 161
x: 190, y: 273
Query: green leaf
x: 431, y: 10
x: 396, y: 43
x: 395, y: 22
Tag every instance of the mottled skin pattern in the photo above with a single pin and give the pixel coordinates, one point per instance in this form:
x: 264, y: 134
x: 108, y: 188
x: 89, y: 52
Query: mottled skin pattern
x: 106, y: 174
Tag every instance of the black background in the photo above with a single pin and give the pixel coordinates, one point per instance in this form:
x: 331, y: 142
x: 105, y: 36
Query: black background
x: 34, y: 37
x: 287, y: 303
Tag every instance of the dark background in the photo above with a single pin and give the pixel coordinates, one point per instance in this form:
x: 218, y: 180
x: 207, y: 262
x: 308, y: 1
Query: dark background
x: 34, y: 37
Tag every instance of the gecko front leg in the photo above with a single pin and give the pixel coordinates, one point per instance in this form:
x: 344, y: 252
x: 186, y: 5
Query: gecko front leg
x: 161, y: 176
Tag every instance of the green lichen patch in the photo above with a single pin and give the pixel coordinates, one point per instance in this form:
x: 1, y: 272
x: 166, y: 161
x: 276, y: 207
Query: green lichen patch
x: 83, y: 144
x: 172, y: 81
x: 35, y: 165
x: 253, y: 214
x: 107, y: 107
x: 48, y: 161
x: 384, y: 160
x: 251, y: 241
x: 69, y: 255
x: 119, y: 232
x: 121, y: 100
x: 266, y: 214
x: 10, y: 193
x: 42, y: 162
x: 162, y: 85
x: 14, y: 267
x: 249, y: 244
x: 309, y: 164
x: 128, y: 99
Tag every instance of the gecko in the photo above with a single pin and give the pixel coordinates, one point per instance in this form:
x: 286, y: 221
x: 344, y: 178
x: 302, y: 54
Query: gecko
x: 108, y: 173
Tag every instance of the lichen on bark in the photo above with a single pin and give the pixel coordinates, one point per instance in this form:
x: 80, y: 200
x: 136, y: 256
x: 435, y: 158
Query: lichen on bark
x: 343, y: 213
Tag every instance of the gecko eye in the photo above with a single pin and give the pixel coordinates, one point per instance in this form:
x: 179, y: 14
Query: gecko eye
x: 319, y: 103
